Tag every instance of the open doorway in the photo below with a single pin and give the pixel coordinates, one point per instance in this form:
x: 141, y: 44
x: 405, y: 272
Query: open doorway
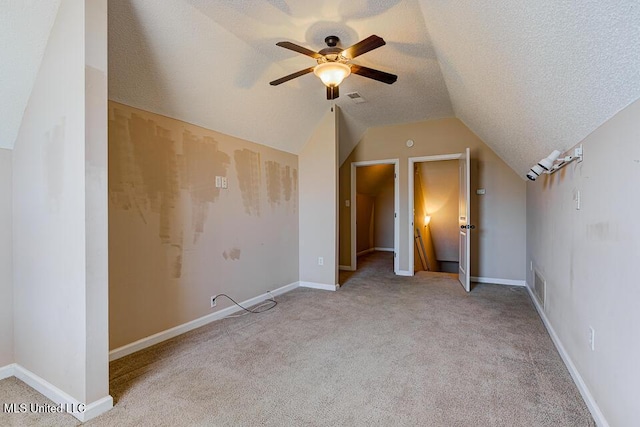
x: 435, y: 196
x: 439, y: 214
x: 374, y: 210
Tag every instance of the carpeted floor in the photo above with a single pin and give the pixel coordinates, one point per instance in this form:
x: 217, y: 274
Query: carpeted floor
x: 383, y: 350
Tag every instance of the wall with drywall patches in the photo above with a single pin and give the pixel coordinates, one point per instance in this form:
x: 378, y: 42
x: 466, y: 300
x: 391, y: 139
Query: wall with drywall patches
x: 588, y: 255
x: 175, y: 239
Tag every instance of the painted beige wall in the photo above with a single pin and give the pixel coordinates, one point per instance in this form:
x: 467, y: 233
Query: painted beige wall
x: 6, y: 257
x: 318, y: 163
x: 383, y: 207
x: 59, y: 253
x: 440, y: 188
x: 498, y: 243
x: 589, y: 259
x: 175, y: 239
x: 364, y: 222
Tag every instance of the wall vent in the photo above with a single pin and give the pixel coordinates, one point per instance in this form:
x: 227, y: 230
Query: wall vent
x: 539, y: 288
x: 356, y: 97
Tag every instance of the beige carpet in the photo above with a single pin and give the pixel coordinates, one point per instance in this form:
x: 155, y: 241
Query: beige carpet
x: 383, y: 350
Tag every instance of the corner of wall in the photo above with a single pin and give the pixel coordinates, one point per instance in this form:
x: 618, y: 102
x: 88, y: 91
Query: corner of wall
x: 59, y: 213
x: 6, y: 258
x: 318, y: 180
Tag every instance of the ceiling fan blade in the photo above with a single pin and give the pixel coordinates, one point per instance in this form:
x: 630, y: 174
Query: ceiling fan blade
x: 364, y: 46
x: 370, y: 73
x: 297, y: 48
x: 333, y: 92
x: 291, y: 76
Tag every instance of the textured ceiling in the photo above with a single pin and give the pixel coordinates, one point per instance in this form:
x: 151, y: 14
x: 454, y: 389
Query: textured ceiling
x: 529, y: 77
x: 24, y: 30
x: 210, y: 63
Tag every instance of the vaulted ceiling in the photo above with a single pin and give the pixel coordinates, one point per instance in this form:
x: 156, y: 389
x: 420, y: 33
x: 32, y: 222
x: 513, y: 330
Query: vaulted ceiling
x: 527, y: 77
x: 24, y: 30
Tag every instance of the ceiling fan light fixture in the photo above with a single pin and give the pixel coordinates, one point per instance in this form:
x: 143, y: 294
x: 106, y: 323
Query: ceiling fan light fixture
x: 332, y: 73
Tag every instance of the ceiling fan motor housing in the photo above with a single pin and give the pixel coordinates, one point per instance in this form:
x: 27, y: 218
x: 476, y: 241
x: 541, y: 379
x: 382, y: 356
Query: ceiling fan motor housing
x: 331, y: 53
x: 332, y: 41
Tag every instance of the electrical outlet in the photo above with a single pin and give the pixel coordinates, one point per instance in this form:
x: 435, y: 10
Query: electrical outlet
x: 213, y: 301
x: 225, y: 182
x: 320, y: 260
x: 592, y: 338
x: 218, y: 181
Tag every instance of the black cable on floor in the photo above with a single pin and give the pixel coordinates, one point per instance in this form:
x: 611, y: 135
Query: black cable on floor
x: 259, y: 309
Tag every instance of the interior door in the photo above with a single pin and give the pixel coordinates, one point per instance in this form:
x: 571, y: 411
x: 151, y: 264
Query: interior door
x: 464, y: 220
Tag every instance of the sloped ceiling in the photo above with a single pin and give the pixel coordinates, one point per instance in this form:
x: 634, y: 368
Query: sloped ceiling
x: 529, y: 77
x: 370, y: 179
x: 210, y: 63
x: 24, y: 29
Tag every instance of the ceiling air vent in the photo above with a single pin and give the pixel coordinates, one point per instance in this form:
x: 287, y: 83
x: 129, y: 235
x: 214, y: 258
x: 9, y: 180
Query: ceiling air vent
x: 356, y: 97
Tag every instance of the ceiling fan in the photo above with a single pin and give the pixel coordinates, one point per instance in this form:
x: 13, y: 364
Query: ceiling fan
x: 334, y: 63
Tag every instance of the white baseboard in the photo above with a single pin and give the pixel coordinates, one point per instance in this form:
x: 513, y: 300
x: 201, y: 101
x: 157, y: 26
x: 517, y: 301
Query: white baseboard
x: 383, y: 249
x: 493, y: 281
x: 96, y: 408
x: 128, y: 349
x: 404, y: 273
x: 346, y: 268
x: 7, y: 371
x: 59, y: 397
x: 366, y: 251
x: 596, y: 413
x: 322, y: 286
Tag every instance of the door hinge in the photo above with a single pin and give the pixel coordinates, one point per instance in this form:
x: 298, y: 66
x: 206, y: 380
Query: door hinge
x: 395, y: 215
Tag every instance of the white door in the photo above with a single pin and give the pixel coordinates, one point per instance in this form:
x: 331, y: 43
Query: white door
x: 464, y: 221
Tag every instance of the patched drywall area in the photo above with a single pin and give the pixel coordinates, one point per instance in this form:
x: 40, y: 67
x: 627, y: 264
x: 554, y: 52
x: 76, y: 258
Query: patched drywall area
x: 6, y: 257
x: 582, y: 238
x: 498, y: 242
x: 176, y: 238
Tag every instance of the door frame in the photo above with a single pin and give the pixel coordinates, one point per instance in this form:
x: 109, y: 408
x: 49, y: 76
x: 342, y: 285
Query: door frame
x: 396, y: 209
x: 411, y: 195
